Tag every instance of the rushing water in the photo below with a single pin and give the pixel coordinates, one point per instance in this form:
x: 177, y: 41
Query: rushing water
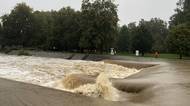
x: 47, y: 71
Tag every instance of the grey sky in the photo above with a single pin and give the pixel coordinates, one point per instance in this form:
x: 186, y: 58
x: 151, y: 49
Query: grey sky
x: 128, y: 10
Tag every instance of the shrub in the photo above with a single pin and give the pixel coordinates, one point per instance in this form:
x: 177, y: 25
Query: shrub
x: 23, y: 53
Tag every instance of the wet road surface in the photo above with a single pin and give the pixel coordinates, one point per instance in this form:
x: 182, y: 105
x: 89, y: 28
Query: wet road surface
x: 166, y: 84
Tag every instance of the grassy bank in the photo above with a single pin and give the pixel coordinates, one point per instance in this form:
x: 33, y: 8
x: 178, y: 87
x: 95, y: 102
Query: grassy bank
x: 161, y: 55
x: 29, y: 52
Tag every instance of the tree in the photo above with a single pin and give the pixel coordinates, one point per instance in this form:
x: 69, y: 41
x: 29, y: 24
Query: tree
x: 92, y: 28
x: 67, y: 29
x: 1, y: 34
x: 1, y: 29
x: 99, y: 24
x: 44, y: 29
x: 132, y: 30
x: 179, y: 39
x: 159, y: 32
x: 142, y: 39
x: 123, y: 39
x: 182, y: 14
x: 18, y: 26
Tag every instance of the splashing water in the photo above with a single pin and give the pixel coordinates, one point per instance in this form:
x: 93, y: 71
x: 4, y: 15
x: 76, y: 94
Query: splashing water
x: 105, y: 88
x: 102, y: 88
x: 48, y: 71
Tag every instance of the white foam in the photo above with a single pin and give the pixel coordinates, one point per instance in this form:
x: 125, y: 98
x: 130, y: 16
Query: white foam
x: 46, y: 71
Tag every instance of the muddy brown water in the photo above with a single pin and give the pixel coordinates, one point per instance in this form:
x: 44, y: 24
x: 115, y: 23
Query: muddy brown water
x: 166, y: 84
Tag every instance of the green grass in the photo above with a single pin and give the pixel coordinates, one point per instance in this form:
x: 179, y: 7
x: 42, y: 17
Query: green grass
x: 125, y: 54
x: 168, y: 56
x: 151, y: 55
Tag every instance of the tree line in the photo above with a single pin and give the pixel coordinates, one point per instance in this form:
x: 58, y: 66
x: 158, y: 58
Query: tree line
x: 147, y: 36
x: 94, y: 28
x: 156, y: 36
x: 179, y: 38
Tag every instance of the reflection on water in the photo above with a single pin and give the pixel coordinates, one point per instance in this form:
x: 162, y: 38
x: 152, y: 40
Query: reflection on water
x: 46, y: 71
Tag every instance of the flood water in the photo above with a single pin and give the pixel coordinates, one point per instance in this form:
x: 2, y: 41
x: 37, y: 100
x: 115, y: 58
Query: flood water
x: 48, y: 71
x: 166, y: 84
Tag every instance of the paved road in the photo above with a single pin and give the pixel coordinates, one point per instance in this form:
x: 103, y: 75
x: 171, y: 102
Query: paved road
x: 167, y: 84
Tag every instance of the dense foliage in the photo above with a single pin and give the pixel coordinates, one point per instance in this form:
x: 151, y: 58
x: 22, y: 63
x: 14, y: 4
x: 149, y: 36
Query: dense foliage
x: 94, y: 29
x: 147, y: 36
x: 99, y: 25
x: 18, y: 26
x: 1, y: 32
x: 179, y: 41
x: 142, y: 40
x: 123, y: 41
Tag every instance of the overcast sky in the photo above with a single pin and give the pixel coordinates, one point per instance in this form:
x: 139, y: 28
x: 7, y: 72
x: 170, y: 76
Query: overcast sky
x: 128, y: 10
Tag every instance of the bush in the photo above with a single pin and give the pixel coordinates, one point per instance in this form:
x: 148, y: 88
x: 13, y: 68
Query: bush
x: 6, y: 51
x: 23, y: 53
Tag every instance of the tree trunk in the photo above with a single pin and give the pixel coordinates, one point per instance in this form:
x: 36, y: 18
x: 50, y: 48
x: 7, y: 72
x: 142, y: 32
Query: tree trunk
x: 180, y: 56
x: 101, y: 50
x: 81, y: 50
x: 2, y: 46
x: 142, y: 54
